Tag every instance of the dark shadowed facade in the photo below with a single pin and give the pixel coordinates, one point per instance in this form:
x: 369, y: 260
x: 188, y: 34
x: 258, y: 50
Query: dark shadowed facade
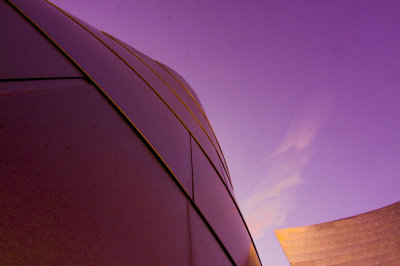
x: 106, y: 155
x: 371, y: 238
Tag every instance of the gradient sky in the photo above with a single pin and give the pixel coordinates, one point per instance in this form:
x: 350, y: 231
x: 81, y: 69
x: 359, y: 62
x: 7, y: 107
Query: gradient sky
x: 304, y: 97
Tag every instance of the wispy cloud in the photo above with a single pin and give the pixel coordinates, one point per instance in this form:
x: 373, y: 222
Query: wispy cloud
x: 304, y: 127
x: 271, y: 199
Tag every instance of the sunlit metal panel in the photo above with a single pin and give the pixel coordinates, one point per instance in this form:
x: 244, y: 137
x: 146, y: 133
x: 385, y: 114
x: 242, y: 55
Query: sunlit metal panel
x: 371, y: 238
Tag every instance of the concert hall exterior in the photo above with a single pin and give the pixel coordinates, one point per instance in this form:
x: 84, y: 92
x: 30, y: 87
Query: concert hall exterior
x: 106, y: 155
x: 371, y: 238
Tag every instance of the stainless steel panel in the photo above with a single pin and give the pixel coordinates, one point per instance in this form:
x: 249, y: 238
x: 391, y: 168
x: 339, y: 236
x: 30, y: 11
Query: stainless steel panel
x: 161, y: 81
x: 30, y: 86
x: 173, y: 83
x: 219, y: 209
x: 186, y: 84
x: 170, y: 90
x: 367, y: 239
x: 205, y: 248
x: 26, y: 53
x: 191, y: 101
x: 78, y: 186
x: 126, y: 89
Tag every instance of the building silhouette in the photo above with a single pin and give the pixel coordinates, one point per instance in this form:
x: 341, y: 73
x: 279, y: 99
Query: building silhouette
x: 371, y: 238
x: 106, y: 155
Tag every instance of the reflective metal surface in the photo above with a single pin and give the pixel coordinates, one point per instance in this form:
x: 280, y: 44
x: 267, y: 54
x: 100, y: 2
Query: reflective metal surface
x: 126, y: 89
x: 216, y: 204
x: 205, y: 249
x: 22, y: 49
x: 98, y: 157
x: 77, y: 187
x: 371, y: 238
x: 173, y: 92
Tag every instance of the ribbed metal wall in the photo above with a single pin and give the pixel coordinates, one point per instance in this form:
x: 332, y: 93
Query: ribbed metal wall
x: 372, y: 238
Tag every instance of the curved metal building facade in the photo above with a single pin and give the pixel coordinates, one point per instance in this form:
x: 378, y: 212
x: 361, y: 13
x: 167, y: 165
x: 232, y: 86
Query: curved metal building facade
x: 371, y: 238
x: 106, y: 155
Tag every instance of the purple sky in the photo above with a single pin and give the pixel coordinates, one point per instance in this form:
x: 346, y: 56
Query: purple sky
x: 304, y: 97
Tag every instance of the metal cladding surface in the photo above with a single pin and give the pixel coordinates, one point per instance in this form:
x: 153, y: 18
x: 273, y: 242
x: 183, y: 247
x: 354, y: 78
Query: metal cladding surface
x: 106, y: 156
x: 371, y: 238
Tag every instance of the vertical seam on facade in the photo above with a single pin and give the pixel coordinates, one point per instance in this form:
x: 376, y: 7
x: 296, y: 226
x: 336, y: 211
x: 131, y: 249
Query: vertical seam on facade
x: 237, y: 207
x: 180, y: 99
x: 131, y: 125
x: 221, y: 178
x: 191, y: 163
x: 201, y: 110
x: 194, y: 100
x: 142, y: 78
